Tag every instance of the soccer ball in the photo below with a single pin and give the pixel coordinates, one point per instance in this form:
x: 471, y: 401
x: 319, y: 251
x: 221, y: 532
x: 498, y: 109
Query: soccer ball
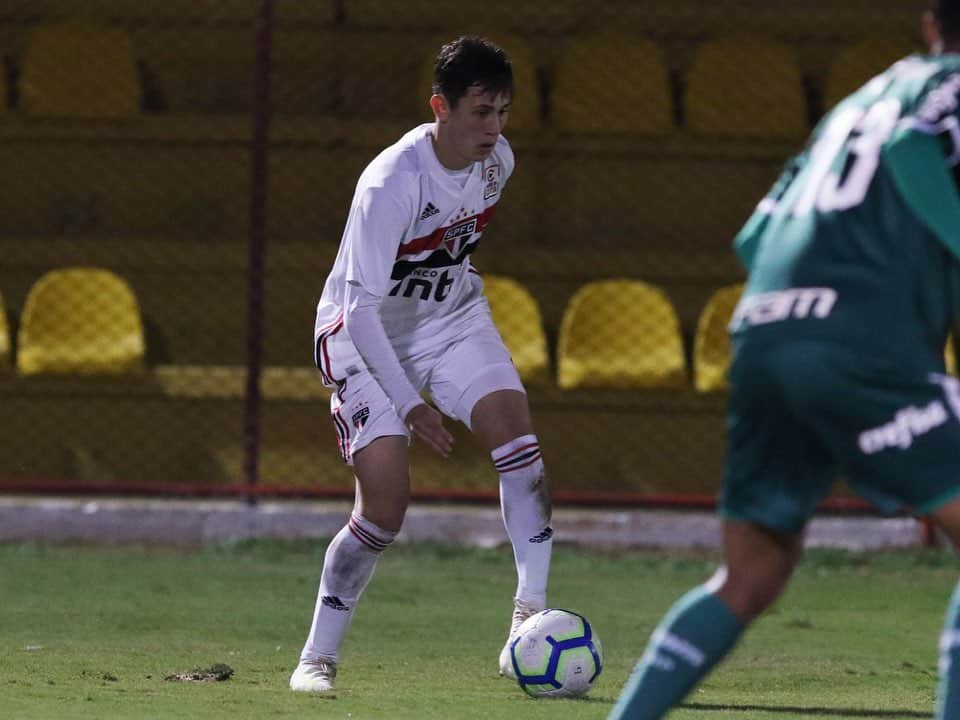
x: 556, y: 654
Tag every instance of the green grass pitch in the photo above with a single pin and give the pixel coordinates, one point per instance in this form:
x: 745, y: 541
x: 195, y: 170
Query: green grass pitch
x: 92, y: 633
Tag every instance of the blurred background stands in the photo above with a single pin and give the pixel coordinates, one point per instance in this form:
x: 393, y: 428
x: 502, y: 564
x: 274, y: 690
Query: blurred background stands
x: 645, y: 133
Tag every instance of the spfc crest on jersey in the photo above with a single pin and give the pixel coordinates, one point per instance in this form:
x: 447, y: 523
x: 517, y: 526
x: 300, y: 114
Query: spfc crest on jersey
x: 455, y: 235
x: 491, y: 181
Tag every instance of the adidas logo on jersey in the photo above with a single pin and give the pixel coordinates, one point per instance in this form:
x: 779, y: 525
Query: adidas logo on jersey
x: 429, y: 211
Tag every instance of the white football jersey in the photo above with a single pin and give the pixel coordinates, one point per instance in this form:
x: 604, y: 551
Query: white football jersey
x: 408, y: 240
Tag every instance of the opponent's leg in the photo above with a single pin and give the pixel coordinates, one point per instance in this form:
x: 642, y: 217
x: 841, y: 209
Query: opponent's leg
x: 948, y: 691
x: 501, y: 421
x: 383, y: 492
x: 704, y: 625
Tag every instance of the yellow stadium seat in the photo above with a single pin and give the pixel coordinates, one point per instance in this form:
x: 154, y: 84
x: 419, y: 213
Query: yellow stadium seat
x: 517, y: 316
x: 711, y: 344
x: 4, y: 338
x: 950, y: 356
x: 79, y: 70
x: 526, y: 108
x: 633, y: 98
x: 620, y: 334
x: 82, y: 321
x: 746, y: 87
x: 856, y: 64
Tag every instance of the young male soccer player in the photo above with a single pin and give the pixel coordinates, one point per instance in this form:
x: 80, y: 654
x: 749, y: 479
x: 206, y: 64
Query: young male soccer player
x: 854, y: 262
x: 403, y: 311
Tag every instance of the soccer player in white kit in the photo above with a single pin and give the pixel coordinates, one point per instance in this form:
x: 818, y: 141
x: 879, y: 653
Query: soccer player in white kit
x: 403, y: 311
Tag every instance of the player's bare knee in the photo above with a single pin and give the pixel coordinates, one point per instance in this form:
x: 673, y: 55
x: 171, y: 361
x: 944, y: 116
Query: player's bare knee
x: 501, y: 416
x: 748, y: 591
x: 389, y: 518
x: 947, y: 519
x: 384, y: 510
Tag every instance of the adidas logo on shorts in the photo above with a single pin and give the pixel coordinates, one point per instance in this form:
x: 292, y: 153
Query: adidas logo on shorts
x: 429, y: 211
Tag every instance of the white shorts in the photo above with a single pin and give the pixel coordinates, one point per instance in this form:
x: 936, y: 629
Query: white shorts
x: 456, y: 376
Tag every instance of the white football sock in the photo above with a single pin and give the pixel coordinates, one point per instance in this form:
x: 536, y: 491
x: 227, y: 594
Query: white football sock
x: 347, y: 568
x: 525, y: 503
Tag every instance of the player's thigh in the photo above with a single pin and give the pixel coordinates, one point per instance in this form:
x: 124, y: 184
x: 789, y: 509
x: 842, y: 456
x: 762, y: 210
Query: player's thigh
x: 373, y: 439
x: 900, y: 446
x: 361, y: 413
x: 478, y: 368
x: 776, y: 467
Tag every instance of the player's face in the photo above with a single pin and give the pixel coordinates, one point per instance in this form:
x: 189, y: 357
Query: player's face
x: 470, y: 130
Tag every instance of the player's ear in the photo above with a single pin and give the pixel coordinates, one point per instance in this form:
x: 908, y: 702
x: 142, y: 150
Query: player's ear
x: 441, y: 110
x: 931, y: 32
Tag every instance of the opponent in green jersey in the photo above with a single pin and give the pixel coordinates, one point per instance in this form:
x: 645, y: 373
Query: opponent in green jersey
x: 838, y: 371
x: 858, y: 240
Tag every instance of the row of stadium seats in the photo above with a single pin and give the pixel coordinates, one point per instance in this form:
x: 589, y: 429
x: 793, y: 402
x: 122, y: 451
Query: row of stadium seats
x: 100, y: 71
x: 618, y: 334
x: 674, y: 17
x: 189, y: 174
x: 91, y: 161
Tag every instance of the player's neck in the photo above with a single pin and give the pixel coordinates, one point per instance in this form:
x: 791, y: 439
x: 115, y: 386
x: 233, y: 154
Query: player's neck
x: 446, y: 154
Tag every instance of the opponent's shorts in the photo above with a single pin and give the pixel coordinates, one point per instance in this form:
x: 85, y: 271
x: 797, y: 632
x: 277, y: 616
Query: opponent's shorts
x: 456, y: 376
x: 802, y: 414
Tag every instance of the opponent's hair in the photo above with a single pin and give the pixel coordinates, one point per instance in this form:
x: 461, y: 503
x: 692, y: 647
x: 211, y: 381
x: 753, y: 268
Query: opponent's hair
x: 471, y: 61
x: 948, y: 17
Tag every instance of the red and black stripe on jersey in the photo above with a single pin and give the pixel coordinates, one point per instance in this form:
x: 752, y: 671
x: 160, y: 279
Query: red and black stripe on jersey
x: 440, y: 241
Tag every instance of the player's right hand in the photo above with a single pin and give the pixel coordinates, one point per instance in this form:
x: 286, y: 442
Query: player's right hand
x: 427, y: 424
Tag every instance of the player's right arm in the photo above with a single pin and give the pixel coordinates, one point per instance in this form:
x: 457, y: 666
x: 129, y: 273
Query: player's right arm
x: 922, y: 156
x: 378, y: 220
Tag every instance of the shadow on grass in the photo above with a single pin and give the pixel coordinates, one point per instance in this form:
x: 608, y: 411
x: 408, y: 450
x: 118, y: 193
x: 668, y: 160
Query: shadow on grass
x: 812, y: 711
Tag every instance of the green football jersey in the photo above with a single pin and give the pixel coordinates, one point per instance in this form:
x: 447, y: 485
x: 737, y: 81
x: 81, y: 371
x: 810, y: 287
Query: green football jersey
x: 859, y: 239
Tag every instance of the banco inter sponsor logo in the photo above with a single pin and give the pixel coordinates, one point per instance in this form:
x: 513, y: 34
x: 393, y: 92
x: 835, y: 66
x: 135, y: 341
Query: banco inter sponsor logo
x: 908, y: 424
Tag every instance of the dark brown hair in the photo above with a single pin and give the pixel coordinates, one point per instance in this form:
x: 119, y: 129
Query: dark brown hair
x: 470, y: 61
